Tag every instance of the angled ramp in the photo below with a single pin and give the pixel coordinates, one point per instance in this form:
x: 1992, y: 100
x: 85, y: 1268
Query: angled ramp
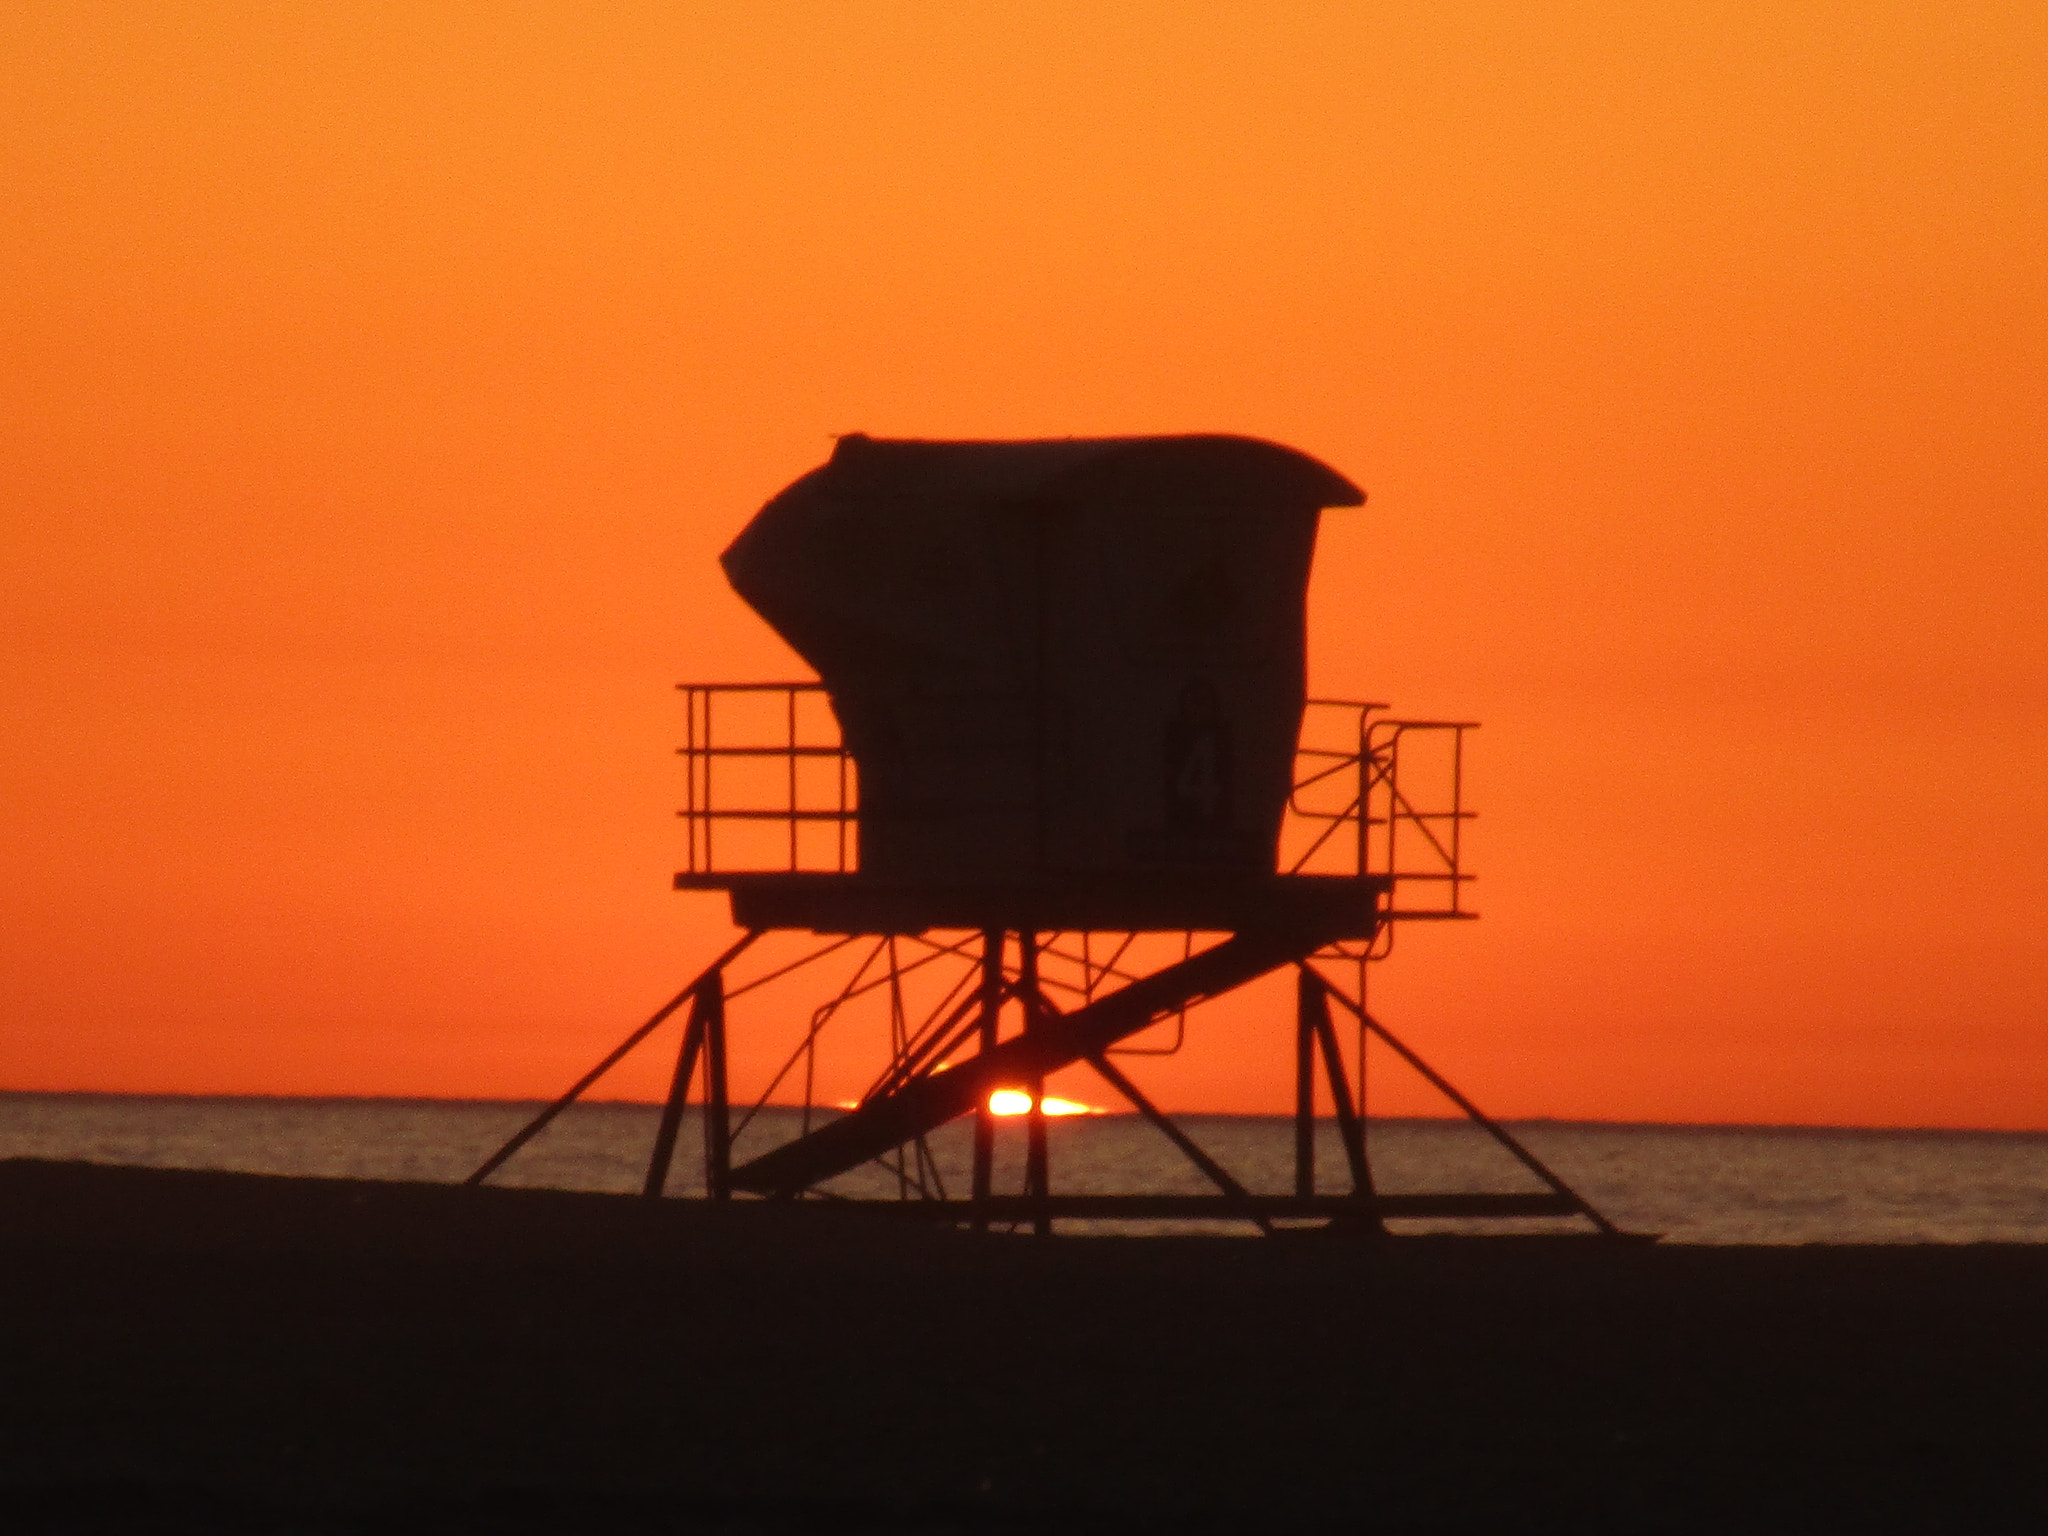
x: 926, y: 1103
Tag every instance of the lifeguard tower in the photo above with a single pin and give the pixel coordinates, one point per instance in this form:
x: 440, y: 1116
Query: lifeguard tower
x: 1058, y: 781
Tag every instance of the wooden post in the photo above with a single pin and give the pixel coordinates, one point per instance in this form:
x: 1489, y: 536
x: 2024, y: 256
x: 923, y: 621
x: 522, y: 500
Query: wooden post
x: 984, y: 1120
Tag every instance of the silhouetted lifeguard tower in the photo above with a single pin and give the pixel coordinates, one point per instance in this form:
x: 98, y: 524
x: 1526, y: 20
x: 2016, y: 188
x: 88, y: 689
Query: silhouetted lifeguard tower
x: 1061, y: 716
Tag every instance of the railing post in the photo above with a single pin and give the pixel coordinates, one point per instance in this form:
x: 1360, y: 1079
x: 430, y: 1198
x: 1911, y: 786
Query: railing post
x: 1395, y: 801
x: 842, y: 761
x: 1365, y: 783
x: 1457, y: 817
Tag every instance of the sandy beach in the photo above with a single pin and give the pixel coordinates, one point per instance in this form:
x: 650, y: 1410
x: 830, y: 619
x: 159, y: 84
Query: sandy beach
x: 229, y: 1352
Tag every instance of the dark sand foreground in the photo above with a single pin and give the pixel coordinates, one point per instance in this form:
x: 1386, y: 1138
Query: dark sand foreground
x: 225, y: 1353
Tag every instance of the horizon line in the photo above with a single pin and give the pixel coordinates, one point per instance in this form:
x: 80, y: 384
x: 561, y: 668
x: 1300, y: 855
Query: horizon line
x: 1095, y: 1114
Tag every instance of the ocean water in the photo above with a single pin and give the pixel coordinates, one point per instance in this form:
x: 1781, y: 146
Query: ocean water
x: 1693, y: 1184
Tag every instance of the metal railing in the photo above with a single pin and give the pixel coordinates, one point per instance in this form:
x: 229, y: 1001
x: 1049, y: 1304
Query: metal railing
x: 768, y: 784
x: 1382, y: 797
x: 770, y: 787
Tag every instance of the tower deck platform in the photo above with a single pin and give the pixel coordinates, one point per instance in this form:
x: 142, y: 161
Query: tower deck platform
x: 1343, y: 906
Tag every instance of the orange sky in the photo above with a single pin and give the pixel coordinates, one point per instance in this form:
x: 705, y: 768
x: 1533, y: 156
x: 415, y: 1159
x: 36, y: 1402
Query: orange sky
x: 382, y: 381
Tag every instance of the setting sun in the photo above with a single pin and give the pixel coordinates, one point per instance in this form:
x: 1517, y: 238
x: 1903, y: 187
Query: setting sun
x: 1014, y: 1101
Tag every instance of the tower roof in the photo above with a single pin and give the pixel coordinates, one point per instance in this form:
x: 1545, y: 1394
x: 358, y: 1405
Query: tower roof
x: 1197, y: 468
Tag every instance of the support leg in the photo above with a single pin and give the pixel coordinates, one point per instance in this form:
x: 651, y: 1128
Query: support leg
x: 1304, y: 1103
x: 1313, y: 999
x: 1498, y: 1132
x: 717, y: 1122
x: 678, y: 1096
x: 541, y: 1121
x: 1037, y: 1176
x: 1035, y: 1180
x: 984, y: 1120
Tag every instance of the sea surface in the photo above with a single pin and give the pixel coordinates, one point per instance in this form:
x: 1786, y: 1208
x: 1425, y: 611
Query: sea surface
x: 1693, y: 1184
